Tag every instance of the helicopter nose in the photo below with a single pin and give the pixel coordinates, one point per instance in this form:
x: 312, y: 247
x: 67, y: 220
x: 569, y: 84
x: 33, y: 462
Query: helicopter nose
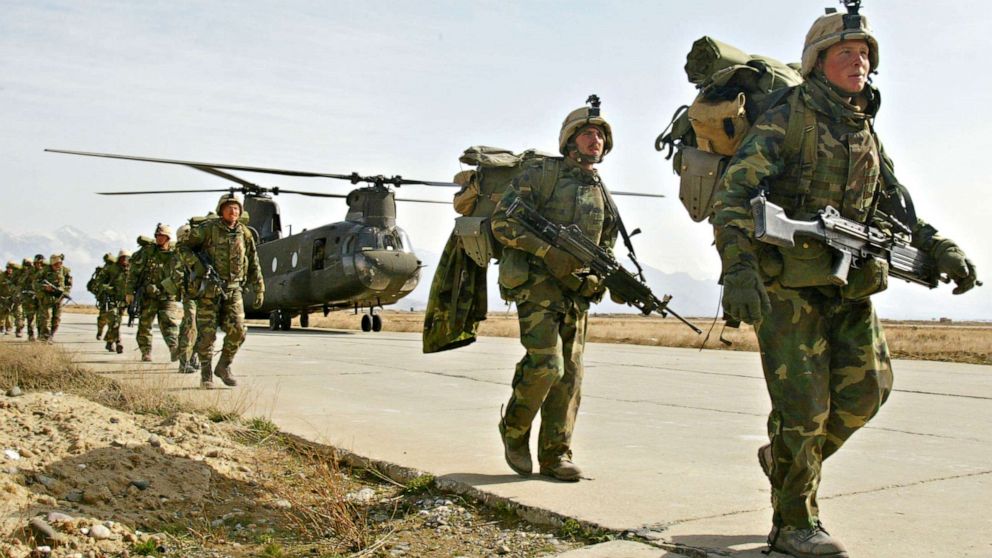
x: 378, y: 269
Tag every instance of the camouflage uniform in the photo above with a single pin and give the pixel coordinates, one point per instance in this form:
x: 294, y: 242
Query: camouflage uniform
x: 190, y: 288
x: 10, y: 294
x: 94, y: 286
x: 155, y: 271
x: 51, y: 286
x: 552, y: 312
x: 826, y: 363
x: 113, y: 288
x: 232, y: 252
x: 29, y: 298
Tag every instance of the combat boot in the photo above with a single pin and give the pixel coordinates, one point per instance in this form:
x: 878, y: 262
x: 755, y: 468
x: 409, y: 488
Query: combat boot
x: 563, y: 470
x: 812, y: 542
x: 223, y: 371
x: 120, y: 348
x: 18, y: 333
x: 516, y: 454
x: 109, y: 346
x: 146, y: 357
x: 99, y: 335
x: 205, y: 375
x: 174, y: 353
x: 766, y: 459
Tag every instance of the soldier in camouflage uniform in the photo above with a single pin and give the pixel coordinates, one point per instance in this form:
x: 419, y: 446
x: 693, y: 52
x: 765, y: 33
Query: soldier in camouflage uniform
x: 29, y: 298
x: 189, y: 362
x: 10, y: 299
x: 826, y: 363
x: 113, y: 288
x: 155, y: 271
x: 51, y: 287
x: 553, y: 294
x: 228, y: 245
x: 93, y: 286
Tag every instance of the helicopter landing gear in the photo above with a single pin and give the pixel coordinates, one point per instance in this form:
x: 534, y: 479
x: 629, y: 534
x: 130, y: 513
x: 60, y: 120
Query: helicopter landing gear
x: 371, y: 322
x: 305, y: 319
x: 366, y: 323
x: 376, y: 322
x: 280, y: 319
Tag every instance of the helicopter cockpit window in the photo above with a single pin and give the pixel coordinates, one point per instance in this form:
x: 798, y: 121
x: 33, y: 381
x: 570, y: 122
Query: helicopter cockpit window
x: 389, y: 242
x: 317, y: 261
x: 403, y: 240
x: 369, y: 239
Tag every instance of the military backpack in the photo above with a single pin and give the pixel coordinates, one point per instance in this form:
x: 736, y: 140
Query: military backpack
x: 735, y: 88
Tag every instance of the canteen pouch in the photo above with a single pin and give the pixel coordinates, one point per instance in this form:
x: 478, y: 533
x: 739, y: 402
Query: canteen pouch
x: 870, y: 278
x: 513, y: 268
x: 807, y: 264
x: 477, y: 240
x: 698, y: 180
x: 466, y: 198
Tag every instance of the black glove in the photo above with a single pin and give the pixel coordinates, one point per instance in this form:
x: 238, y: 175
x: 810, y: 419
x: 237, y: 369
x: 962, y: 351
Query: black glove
x: 952, y: 261
x: 560, y: 263
x: 744, y: 295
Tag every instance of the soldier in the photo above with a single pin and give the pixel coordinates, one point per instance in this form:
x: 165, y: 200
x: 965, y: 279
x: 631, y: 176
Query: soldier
x: 51, y: 287
x: 10, y: 294
x: 93, y: 286
x: 226, y: 244
x: 29, y: 298
x: 189, y: 362
x: 553, y: 294
x: 113, y: 288
x: 153, y: 275
x: 826, y: 363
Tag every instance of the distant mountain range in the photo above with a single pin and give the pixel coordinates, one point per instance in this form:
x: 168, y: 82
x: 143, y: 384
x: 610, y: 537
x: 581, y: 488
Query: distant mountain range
x: 690, y: 296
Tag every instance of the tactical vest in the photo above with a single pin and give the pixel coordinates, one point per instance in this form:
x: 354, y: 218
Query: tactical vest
x: 227, y: 248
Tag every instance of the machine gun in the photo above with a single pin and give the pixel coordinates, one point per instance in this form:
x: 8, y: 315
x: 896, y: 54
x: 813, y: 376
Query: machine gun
x: 134, y: 309
x: 54, y: 289
x: 854, y: 242
x: 623, y: 284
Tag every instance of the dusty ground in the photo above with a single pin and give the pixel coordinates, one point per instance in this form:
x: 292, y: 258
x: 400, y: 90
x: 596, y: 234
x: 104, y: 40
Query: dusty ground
x: 81, y: 479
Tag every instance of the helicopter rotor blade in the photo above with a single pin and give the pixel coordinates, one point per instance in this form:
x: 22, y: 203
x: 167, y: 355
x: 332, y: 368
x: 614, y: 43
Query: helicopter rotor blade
x: 164, y: 192
x: 637, y: 194
x: 276, y: 190
x: 421, y: 201
x: 402, y: 181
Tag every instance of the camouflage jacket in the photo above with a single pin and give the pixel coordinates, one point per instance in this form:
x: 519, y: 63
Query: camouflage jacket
x: 51, y: 278
x: 9, y: 287
x: 26, y: 284
x: 578, y: 197
x: 156, y: 272
x: 232, y: 252
x: 847, y: 176
x: 113, y: 284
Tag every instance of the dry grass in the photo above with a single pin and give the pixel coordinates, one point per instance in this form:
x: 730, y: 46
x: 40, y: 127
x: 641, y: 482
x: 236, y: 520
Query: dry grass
x: 951, y: 342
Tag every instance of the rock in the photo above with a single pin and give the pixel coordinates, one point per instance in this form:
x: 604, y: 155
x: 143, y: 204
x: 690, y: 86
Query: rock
x: 99, y: 532
x: 114, y: 420
x: 11, y: 454
x: 74, y: 496
x: 14, y: 392
x: 282, y: 504
x: 25, y: 452
x: 48, y: 482
x: 502, y: 549
x: 213, y: 453
x: 363, y: 496
x: 59, y: 517
x: 154, y: 441
x: 42, y: 531
x: 140, y: 484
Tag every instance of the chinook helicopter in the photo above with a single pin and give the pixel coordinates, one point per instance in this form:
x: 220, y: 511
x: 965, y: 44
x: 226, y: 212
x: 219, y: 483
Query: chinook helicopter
x: 364, y: 262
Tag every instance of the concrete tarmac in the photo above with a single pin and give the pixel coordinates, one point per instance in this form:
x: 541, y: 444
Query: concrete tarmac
x: 667, y: 438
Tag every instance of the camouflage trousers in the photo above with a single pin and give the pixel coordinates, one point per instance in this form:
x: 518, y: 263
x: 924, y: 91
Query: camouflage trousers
x: 49, y: 316
x: 167, y: 312
x: 30, y: 309
x: 187, y: 330
x: 105, y: 316
x: 11, y: 316
x: 548, y: 379
x: 828, y: 372
x: 114, y: 318
x: 227, y: 314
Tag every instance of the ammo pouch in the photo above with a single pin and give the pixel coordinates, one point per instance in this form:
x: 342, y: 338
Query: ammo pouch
x: 514, y: 268
x: 699, y: 174
x: 719, y: 125
x: 477, y: 239
x: 870, y: 278
x: 807, y: 264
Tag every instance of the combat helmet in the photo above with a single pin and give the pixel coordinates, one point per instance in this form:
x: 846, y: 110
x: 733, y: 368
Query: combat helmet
x: 164, y: 229
x: 581, y: 117
x: 12, y: 264
x: 39, y: 258
x: 108, y: 258
x: 56, y: 258
x: 123, y: 254
x: 835, y: 27
x: 183, y: 232
x: 230, y: 197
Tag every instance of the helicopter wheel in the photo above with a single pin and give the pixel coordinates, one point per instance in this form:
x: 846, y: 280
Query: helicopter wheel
x: 376, y: 323
x: 285, y: 320
x: 274, y: 320
x: 366, y: 323
x: 304, y: 319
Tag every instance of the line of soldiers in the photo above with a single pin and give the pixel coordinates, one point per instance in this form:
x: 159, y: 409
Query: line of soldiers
x: 201, y: 274
x: 31, y: 292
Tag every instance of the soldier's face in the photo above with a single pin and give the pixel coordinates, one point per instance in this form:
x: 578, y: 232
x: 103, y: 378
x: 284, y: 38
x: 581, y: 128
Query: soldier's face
x: 162, y: 240
x: 846, y: 65
x: 230, y: 213
x: 590, y: 141
x: 57, y: 265
x: 39, y: 265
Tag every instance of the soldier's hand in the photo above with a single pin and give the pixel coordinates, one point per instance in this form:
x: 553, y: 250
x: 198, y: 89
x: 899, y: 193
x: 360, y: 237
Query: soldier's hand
x: 952, y: 262
x: 592, y: 285
x: 259, y: 299
x: 129, y: 298
x: 744, y: 295
x: 560, y: 263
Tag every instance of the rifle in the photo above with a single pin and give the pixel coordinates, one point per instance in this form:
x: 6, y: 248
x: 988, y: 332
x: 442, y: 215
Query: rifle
x: 853, y: 241
x: 134, y: 309
x: 623, y: 284
x: 210, y: 275
x: 55, y: 290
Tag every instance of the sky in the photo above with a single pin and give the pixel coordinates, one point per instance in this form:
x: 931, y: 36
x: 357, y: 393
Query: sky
x: 393, y: 87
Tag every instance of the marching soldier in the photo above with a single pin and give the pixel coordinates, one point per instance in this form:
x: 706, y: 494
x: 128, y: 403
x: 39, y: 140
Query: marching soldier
x: 52, y: 285
x: 225, y: 244
x: 826, y: 363
x: 553, y: 294
x: 29, y: 298
x: 93, y: 286
x: 113, y: 287
x: 189, y: 362
x: 153, y: 277
x: 10, y: 300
